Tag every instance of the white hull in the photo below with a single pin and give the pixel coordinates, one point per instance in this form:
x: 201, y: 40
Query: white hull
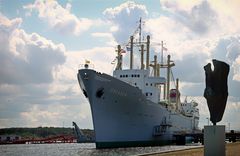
x: 123, y: 116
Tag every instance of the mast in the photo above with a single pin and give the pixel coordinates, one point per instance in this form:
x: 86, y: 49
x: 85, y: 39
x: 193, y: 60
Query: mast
x: 148, y: 50
x: 158, y: 70
x: 162, y: 52
x: 155, y: 66
x: 142, y: 54
x: 119, y: 58
x: 142, y: 46
x: 140, y: 30
x: 170, y: 64
x: 168, y: 76
x: 131, y: 52
x: 177, y: 94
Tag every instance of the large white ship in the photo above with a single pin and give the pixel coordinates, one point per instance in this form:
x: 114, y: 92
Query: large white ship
x: 136, y: 107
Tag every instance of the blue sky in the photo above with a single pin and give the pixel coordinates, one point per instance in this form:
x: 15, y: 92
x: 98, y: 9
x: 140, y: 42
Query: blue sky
x: 85, y: 9
x: 43, y: 43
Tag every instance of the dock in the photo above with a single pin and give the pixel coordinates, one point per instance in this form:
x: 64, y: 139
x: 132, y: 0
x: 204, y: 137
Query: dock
x: 231, y: 136
x: 232, y: 149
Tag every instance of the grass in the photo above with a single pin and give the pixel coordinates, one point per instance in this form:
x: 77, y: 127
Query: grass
x: 232, y: 149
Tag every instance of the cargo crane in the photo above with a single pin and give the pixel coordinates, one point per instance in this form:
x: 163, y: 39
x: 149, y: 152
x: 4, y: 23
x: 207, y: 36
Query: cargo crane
x: 79, y: 134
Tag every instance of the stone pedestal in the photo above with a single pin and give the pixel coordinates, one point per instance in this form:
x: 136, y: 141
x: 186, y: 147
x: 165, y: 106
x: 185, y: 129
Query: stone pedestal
x: 214, y: 140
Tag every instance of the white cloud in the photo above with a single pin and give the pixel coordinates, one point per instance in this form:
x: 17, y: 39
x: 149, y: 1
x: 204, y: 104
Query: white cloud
x: 9, y: 24
x: 57, y: 115
x: 233, y: 55
x: 124, y: 19
x: 99, y: 34
x: 228, y: 13
x: 190, y: 50
x: 200, y: 18
x: 34, y: 86
x: 28, y: 63
x: 108, y: 36
x: 228, y: 49
x: 100, y: 57
x: 60, y: 18
x: 236, y: 68
x: 26, y: 58
x: 212, y: 18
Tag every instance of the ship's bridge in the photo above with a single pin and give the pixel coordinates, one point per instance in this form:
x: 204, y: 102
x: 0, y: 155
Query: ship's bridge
x: 150, y: 86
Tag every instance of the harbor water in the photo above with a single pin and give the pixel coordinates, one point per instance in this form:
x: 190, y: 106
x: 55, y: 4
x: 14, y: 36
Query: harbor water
x: 82, y: 149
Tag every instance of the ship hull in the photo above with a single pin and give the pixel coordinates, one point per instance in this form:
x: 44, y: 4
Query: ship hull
x: 124, y: 117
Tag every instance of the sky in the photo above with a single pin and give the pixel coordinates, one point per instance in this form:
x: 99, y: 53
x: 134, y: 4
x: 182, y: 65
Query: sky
x: 43, y: 44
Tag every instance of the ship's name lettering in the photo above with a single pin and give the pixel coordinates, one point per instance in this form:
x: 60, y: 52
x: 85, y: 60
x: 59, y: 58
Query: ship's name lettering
x: 101, y: 79
x: 118, y: 92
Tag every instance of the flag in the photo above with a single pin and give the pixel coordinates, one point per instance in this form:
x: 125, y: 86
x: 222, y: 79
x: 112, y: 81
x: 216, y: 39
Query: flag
x: 164, y: 48
x: 122, y: 51
x: 114, y: 61
x: 87, y: 62
x: 128, y: 48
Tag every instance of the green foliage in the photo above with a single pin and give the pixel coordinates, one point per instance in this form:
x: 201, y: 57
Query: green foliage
x: 42, y: 132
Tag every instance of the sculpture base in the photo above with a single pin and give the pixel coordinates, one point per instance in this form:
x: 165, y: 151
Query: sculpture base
x: 214, y: 140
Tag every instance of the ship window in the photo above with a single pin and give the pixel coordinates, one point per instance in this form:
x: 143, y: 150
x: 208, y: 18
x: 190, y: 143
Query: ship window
x: 151, y: 94
x: 146, y: 84
x: 132, y: 75
x: 135, y: 84
x: 123, y: 75
x: 120, y: 75
x: 146, y: 94
x: 151, y: 84
x: 126, y: 75
x: 138, y: 75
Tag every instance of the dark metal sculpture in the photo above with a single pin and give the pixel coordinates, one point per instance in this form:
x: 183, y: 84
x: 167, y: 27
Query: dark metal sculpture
x: 216, y: 91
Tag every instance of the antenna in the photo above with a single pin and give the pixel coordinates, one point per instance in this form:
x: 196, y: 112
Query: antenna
x: 140, y: 30
x: 163, y: 48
